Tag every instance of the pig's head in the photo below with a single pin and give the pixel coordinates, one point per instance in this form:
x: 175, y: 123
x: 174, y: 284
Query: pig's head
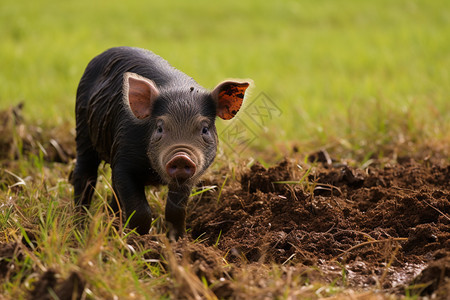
x: 181, y: 123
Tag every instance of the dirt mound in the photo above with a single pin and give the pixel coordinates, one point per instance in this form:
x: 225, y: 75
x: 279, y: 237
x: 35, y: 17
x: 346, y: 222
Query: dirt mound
x: 435, y: 278
x: 48, y: 287
x: 187, y: 261
x: 206, y: 262
x: 379, y: 224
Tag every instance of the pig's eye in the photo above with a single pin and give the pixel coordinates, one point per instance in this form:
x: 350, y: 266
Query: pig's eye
x: 159, y: 132
x: 206, y: 133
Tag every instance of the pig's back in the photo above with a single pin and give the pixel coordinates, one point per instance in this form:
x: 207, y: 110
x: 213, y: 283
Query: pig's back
x: 100, y: 110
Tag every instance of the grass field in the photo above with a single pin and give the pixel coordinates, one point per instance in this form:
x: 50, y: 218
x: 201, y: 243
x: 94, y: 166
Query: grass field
x: 363, y: 79
x: 349, y: 70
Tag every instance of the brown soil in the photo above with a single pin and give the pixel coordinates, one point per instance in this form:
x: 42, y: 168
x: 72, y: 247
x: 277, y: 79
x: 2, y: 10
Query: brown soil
x: 385, y: 227
x: 381, y: 226
x: 48, y: 287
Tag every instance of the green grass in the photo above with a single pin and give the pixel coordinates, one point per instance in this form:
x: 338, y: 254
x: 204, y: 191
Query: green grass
x: 359, y: 76
x: 341, y: 72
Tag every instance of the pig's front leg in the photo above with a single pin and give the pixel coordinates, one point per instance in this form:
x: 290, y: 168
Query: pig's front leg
x: 131, y: 194
x: 176, y: 210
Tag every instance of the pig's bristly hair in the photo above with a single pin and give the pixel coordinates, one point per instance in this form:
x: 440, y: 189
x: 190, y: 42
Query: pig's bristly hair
x: 183, y: 105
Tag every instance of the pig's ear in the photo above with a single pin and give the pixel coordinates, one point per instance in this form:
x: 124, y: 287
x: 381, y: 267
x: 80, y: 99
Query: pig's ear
x: 229, y: 96
x: 140, y: 93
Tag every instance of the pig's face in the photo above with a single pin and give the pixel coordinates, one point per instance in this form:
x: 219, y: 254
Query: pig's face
x: 183, y: 137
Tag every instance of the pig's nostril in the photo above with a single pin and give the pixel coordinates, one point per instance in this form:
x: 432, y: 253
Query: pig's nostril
x: 180, y: 167
x: 171, y: 170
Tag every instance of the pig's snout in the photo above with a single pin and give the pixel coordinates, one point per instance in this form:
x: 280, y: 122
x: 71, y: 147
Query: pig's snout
x: 180, y: 167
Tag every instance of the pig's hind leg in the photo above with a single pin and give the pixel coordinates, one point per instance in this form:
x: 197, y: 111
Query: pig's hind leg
x: 84, y: 177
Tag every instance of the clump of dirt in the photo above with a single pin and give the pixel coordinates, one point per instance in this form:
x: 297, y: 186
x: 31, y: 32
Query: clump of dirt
x: 47, y: 287
x: 48, y: 284
x: 8, y: 252
x: 189, y: 263
x: 266, y: 180
x: 435, y: 278
x: 204, y: 261
x: 382, y: 224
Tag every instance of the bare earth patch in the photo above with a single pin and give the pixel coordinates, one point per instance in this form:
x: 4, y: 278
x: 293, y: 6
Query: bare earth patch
x: 384, y: 229
x: 277, y: 232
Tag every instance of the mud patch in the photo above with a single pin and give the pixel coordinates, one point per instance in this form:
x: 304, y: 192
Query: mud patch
x: 373, y: 227
x: 434, y: 279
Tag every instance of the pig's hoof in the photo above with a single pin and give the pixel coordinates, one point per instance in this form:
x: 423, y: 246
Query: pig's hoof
x: 174, y: 234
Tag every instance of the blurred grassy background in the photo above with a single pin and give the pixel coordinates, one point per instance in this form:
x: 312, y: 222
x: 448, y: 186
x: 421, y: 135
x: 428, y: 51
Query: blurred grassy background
x: 355, y: 73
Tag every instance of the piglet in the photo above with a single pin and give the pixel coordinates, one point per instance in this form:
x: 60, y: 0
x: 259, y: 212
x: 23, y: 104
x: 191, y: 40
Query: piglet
x: 154, y: 125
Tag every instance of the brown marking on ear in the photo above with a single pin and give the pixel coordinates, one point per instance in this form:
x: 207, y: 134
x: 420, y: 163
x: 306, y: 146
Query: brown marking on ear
x: 140, y: 93
x: 229, y: 96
